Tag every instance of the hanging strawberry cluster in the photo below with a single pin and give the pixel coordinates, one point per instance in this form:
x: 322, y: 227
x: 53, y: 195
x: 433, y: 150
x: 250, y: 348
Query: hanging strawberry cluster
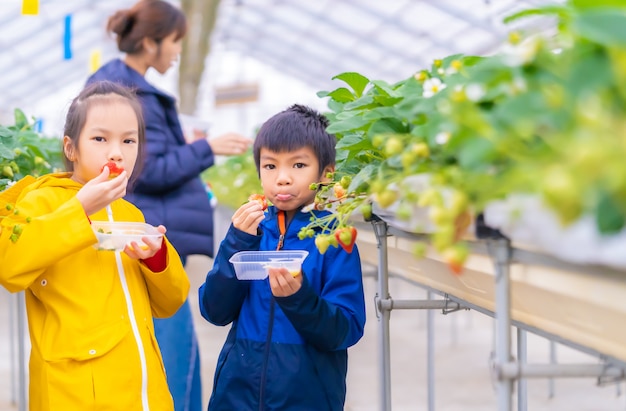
x: 335, y: 229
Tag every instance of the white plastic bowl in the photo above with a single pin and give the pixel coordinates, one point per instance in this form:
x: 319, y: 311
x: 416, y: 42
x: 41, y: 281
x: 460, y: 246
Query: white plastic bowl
x: 253, y: 265
x: 115, y: 235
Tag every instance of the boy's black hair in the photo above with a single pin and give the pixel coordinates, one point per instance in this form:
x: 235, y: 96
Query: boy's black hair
x: 296, y: 127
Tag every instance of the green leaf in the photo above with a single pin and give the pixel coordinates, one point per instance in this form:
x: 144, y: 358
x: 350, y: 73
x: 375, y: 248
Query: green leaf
x: 20, y: 119
x: 363, y: 177
x: 380, y: 112
x: 609, y: 215
x: 603, y: 26
x: 359, y: 103
x: 6, y: 153
x: 356, y: 81
x: 384, y: 88
x: 349, y: 124
x: 353, y: 142
x: 561, y: 11
x: 476, y: 153
x: 597, y: 3
x: 342, y: 95
x: 388, y: 126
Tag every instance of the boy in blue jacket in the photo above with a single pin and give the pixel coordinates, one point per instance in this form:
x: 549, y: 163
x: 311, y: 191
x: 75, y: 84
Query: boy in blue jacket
x: 287, y: 346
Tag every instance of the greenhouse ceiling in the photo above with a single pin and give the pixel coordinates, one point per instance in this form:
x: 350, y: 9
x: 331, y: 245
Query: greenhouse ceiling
x: 309, y: 40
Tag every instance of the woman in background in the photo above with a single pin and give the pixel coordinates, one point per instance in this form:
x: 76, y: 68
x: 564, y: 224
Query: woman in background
x: 169, y: 191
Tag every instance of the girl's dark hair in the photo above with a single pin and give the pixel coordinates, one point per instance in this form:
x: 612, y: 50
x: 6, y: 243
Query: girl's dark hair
x: 296, y: 127
x: 154, y: 19
x: 102, y: 92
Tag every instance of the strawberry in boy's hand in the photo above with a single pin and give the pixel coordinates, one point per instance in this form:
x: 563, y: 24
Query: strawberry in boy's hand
x: 114, y: 170
x: 346, y: 236
x: 260, y: 198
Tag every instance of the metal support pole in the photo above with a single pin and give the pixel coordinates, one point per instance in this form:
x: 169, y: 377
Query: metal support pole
x: 380, y: 230
x: 522, y: 357
x: 446, y: 306
x: 21, y: 351
x: 501, y: 253
x: 553, y: 360
x: 430, y: 359
x: 12, y: 325
x: 513, y: 370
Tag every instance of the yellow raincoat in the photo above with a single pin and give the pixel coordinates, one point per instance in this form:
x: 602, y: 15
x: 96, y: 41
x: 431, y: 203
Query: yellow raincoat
x: 90, y: 349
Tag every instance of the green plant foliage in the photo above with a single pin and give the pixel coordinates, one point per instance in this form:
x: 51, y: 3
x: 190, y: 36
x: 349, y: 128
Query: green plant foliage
x: 24, y: 151
x: 233, y: 180
x: 545, y: 116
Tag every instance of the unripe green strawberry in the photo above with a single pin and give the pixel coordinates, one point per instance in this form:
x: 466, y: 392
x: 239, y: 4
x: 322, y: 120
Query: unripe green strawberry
x: 322, y: 243
x: 366, y: 210
x: 393, y: 146
x: 345, y: 181
x: 386, y: 198
x: 420, y: 149
x: 7, y: 171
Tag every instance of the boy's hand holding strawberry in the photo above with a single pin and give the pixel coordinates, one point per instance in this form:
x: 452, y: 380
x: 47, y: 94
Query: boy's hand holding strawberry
x: 248, y: 217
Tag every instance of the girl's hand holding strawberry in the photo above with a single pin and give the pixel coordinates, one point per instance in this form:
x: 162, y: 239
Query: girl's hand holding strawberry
x: 101, y: 191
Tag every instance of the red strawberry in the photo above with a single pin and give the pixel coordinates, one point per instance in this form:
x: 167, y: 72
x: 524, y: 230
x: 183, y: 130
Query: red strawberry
x: 260, y: 198
x: 346, y: 236
x: 114, y: 170
x: 339, y: 191
x: 455, y: 257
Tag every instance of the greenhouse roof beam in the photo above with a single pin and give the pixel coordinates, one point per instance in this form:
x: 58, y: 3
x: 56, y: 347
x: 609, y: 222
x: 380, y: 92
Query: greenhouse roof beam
x: 457, y: 14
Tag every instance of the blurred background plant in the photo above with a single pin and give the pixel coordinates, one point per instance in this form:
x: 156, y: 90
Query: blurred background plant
x: 544, y: 116
x: 24, y: 151
x: 233, y: 180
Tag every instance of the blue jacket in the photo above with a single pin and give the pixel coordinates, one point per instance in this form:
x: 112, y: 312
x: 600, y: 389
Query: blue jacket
x: 169, y: 190
x: 284, y: 353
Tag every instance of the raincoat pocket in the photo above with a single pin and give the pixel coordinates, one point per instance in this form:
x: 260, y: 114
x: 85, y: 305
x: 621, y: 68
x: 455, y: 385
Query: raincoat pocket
x: 83, y: 344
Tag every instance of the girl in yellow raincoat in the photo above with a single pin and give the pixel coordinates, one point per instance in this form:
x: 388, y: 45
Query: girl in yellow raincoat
x: 89, y: 311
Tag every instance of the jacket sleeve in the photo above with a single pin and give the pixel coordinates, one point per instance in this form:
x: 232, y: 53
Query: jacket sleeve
x: 222, y: 294
x: 168, y: 164
x: 48, y: 235
x: 169, y: 288
x: 335, y: 319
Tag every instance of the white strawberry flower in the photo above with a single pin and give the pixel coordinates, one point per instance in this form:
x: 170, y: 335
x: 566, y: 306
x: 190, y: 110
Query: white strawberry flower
x: 432, y: 86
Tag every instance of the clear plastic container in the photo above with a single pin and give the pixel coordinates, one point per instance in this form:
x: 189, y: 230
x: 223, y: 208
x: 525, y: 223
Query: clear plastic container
x: 253, y: 265
x: 114, y: 235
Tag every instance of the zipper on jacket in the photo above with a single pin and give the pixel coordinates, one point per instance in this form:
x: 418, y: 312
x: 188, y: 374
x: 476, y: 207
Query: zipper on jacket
x: 282, y: 228
x: 133, y: 324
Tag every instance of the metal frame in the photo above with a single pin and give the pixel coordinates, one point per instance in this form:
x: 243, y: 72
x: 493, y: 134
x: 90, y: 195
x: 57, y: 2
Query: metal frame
x: 505, y: 371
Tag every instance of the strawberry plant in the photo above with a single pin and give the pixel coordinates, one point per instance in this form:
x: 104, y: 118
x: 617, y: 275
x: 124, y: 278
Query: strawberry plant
x: 544, y: 116
x: 23, y: 151
x: 234, y: 180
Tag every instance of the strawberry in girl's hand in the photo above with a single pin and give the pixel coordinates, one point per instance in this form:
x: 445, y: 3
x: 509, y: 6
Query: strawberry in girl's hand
x: 114, y: 170
x: 260, y: 198
x: 346, y: 236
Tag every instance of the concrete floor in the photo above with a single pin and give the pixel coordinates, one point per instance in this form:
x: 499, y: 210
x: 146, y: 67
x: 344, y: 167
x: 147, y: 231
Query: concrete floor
x: 463, y: 340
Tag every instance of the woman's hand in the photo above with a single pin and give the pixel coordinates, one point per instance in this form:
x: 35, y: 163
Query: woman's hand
x: 102, y: 191
x: 248, y: 217
x: 142, y: 252
x: 284, y: 283
x: 229, y: 144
